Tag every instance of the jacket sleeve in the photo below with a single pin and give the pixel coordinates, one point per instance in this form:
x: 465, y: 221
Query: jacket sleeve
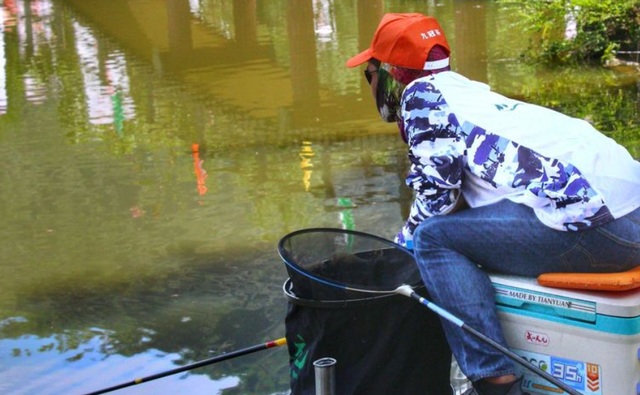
x: 436, y: 153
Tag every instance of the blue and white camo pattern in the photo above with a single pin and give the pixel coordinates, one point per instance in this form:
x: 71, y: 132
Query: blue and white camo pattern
x: 441, y: 149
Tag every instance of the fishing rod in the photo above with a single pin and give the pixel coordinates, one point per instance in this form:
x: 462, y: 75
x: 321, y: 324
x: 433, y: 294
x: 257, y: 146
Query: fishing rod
x: 209, y: 361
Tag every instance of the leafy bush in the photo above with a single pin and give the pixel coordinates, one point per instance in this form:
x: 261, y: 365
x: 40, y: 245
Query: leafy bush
x: 608, y: 99
x: 575, y: 30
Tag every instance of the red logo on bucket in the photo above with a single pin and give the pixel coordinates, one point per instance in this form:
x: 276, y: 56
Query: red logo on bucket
x: 537, y: 338
x: 593, y: 377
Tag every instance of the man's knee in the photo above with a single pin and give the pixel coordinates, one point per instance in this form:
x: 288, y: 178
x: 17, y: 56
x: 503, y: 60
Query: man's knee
x: 432, y: 232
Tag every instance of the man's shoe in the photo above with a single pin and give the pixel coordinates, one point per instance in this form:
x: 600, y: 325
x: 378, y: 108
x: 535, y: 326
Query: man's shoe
x: 515, y: 389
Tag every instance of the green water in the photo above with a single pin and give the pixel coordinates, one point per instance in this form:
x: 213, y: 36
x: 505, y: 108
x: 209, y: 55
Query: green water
x: 154, y: 152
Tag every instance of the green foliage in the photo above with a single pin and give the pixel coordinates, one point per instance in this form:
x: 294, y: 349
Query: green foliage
x: 607, y: 99
x: 601, y: 28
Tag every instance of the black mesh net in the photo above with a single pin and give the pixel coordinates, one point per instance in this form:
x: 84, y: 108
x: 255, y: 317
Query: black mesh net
x: 321, y: 262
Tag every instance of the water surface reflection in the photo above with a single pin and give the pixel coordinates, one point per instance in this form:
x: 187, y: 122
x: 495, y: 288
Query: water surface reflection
x: 156, y: 150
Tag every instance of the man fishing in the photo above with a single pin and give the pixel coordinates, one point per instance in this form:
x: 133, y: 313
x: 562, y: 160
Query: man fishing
x: 546, y: 192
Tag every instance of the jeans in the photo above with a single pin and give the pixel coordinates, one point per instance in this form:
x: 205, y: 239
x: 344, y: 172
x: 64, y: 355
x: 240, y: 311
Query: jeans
x: 507, y: 237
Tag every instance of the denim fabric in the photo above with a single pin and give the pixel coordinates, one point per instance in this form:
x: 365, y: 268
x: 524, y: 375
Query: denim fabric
x: 507, y: 237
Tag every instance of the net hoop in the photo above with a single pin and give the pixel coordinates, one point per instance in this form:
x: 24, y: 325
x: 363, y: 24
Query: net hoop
x: 367, y: 299
x: 290, y: 262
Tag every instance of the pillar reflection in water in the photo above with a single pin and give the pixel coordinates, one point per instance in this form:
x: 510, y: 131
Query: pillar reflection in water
x: 179, y: 27
x: 304, y: 66
x: 471, y: 39
x: 31, y: 22
x: 327, y: 172
x: 28, y: 28
x: 13, y: 56
x: 245, y: 22
x: 369, y: 15
x: 324, y: 21
x: 37, y: 21
x: 3, y: 65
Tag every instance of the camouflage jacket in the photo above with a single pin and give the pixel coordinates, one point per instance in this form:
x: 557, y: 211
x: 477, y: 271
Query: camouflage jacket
x: 465, y: 138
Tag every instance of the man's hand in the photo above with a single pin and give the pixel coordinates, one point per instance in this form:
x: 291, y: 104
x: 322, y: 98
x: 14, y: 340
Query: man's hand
x: 461, y: 204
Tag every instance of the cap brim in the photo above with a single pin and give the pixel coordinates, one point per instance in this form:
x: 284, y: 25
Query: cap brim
x: 360, y: 58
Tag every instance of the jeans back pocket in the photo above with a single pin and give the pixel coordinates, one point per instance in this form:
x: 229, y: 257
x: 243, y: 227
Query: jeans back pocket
x: 610, y: 248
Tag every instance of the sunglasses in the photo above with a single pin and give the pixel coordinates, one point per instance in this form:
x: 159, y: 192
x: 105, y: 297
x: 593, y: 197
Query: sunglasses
x: 367, y: 74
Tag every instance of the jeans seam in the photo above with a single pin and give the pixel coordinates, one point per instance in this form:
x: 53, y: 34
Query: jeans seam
x: 562, y: 257
x: 592, y: 261
x: 617, y: 239
x: 630, y: 260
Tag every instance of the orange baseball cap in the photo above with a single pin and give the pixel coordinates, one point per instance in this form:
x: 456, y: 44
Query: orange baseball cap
x: 405, y: 40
